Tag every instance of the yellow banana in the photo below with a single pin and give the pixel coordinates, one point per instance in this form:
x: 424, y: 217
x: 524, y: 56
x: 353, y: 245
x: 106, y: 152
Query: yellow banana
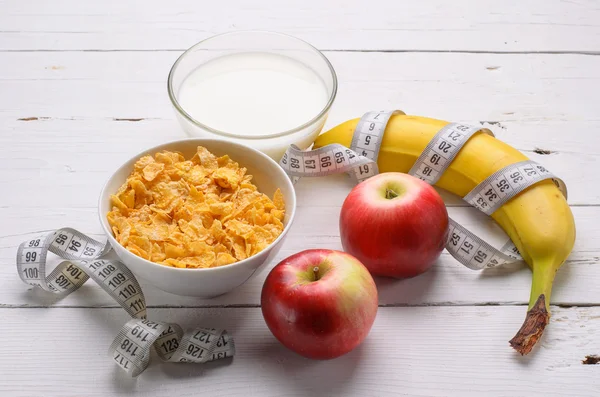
x: 538, y: 220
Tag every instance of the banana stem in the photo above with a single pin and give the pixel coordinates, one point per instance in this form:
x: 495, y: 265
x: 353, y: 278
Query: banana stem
x: 541, y: 284
x: 538, y: 314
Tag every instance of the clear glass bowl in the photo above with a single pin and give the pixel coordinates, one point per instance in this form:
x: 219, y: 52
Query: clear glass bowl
x: 273, y: 144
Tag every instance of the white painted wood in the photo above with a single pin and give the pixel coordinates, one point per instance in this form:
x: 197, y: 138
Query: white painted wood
x: 442, y: 351
x: 52, y: 169
x: 66, y: 161
x: 448, y: 283
x: 464, y: 87
x: 549, y: 104
x: 486, y: 25
x: 74, y: 171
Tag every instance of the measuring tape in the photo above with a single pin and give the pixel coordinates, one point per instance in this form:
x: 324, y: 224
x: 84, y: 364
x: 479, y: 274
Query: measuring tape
x: 360, y: 161
x: 131, y: 348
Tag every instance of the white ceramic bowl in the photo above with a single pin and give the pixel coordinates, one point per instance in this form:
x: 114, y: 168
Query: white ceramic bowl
x: 206, y: 283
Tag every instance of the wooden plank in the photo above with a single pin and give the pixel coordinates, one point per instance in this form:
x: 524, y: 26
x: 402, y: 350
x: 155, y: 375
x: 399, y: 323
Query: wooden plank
x: 548, y: 105
x: 409, y: 351
x: 475, y: 87
x: 532, y: 25
x: 448, y: 283
x: 69, y: 168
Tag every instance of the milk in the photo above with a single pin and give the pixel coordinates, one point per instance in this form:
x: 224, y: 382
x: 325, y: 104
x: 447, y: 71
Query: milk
x: 254, y: 93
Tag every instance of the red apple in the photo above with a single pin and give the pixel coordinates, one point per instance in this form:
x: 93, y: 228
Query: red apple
x: 395, y: 224
x: 319, y: 303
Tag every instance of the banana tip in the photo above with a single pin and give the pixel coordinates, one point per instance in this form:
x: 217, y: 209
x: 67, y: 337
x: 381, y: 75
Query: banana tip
x: 533, y: 327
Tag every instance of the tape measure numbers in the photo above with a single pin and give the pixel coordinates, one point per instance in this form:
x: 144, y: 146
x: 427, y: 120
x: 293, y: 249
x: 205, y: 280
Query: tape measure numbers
x: 360, y: 162
x: 366, y: 141
x: 507, y: 182
x: 441, y: 150
x: 131, y: 348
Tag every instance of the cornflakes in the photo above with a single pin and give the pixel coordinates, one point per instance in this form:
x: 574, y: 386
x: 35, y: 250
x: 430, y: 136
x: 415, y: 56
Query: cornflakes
x: 197, y: 213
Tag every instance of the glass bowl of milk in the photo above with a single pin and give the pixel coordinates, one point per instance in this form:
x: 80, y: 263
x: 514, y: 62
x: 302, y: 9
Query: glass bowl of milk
x: 263, y: 89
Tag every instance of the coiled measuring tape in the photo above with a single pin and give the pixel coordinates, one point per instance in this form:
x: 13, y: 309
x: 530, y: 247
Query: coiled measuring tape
x: 360, y: 161
x: 131, y: 348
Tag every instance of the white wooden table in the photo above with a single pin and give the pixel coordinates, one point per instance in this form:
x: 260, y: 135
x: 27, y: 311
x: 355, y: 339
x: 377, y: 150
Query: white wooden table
x: 83, y: 87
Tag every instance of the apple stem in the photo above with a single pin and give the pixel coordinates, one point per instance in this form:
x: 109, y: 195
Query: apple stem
x: 316, y: 272
x: 390, y: 194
